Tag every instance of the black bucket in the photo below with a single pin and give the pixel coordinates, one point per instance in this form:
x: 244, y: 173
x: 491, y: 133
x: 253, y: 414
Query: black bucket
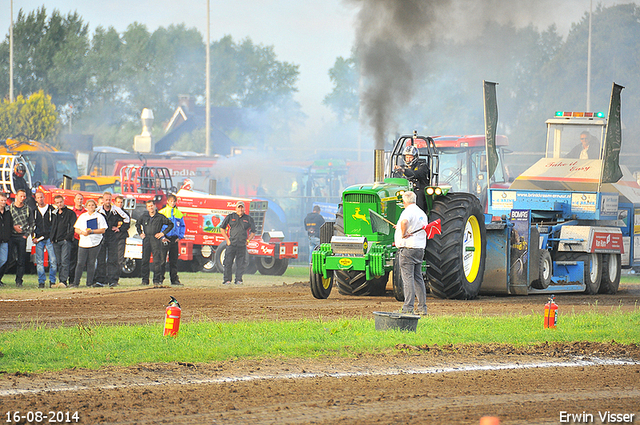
x: 401, y: 321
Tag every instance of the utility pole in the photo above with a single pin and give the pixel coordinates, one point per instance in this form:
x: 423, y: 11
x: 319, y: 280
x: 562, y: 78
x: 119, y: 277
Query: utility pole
x: 11, y: 56
x: 589, y: 59
x: 207, y: 149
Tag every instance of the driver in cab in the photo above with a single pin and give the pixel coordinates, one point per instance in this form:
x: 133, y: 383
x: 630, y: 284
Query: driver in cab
x: 586, y: 149
x: 416, y: 171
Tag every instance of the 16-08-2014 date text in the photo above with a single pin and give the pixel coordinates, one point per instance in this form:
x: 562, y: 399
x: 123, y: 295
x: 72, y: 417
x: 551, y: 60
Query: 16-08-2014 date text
x: 39, y: 417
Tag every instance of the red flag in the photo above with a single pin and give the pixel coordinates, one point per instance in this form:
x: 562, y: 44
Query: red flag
x: 433, y: 229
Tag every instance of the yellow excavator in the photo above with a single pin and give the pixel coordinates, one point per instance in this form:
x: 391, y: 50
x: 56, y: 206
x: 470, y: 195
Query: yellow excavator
x: 47, y: 165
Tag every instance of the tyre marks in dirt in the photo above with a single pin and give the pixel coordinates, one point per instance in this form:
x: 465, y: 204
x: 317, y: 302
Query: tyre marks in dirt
x: 381, y: 393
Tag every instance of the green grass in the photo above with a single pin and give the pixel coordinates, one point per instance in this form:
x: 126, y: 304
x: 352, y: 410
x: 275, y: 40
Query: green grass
x: 38, y: 348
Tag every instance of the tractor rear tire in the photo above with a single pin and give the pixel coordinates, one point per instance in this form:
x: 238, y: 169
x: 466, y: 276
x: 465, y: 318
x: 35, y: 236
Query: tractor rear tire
x: 270, y: 266
x: 320, y: 287
x: 456, y: 258
x: 398, y: 287
x: 353, y: 282
x: 250, y: 266
x: 611, y: 269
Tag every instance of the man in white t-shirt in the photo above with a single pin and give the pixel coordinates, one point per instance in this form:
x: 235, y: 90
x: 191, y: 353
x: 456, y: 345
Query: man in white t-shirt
x: 411, y: 242
x: 91, y: 225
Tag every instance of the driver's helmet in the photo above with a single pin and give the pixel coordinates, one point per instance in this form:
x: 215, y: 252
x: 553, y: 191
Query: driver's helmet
x: 410, y: 150
x: 19, y: 169
x: 187, y: 184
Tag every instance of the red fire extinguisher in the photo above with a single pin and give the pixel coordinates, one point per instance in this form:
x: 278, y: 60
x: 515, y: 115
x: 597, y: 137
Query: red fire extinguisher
x: 172, y: 318
x: 551, y: 313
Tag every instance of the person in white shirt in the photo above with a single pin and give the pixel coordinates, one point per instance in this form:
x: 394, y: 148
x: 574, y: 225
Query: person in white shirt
x: 91, y: 225
x: 411, y: 241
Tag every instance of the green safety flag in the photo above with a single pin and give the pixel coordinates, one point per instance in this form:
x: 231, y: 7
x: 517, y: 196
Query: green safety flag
x: 611, y: 172
x: 490, y: 126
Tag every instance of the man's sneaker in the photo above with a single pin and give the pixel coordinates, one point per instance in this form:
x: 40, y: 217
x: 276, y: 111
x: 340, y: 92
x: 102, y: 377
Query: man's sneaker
x: 420, y: 312
x: 40, y: 285
x: 98, y: 285
x: 18, y: 284
x: 157, y: 284
x: 144, y: 283
x: 238, y: 282
x: 177, y: 284
x: 228, y: 282
x: 111, y: 285
x: 403, y: 311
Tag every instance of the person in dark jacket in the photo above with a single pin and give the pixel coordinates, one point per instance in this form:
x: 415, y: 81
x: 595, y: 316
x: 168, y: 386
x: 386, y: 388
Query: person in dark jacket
x: 6, y: 226
x: 22, y: 217
x: 153, y: 227
x: 43, y: 216
x: 20, y: 183
x: 586, y: 149
x: 78, y: 209
x: 118, y: 231
x: 109, y: 267
x: 416, y: 171
x: 313, y: 222
x: 62, y: 237
x: 241, y: 230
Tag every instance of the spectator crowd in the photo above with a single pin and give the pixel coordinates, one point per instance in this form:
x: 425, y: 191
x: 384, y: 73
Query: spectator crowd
x: 89, y: 236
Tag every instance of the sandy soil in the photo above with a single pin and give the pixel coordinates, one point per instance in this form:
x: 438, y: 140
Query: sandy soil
x: 427, y: 384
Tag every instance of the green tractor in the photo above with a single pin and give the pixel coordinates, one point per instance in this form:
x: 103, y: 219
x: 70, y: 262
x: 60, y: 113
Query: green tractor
x: 357, y: 252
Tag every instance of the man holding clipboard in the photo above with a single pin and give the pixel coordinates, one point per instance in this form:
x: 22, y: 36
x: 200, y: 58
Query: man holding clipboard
x: 90, y: 226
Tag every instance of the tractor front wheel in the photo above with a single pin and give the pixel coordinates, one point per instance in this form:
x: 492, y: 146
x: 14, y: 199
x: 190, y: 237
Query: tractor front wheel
x: 320, y: 287
x: 456, y: 258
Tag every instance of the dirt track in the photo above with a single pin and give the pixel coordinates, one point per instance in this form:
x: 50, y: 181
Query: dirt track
x: 452, y: 385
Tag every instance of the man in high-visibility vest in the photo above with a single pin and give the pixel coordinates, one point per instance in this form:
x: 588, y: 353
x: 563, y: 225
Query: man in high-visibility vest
x: 173, y: 237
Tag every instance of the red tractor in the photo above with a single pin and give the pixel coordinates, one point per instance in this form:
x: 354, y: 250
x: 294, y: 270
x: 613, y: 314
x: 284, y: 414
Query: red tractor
x: 204, y: 246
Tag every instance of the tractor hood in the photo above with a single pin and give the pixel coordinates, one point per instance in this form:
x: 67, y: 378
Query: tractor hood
x: 391, y: 187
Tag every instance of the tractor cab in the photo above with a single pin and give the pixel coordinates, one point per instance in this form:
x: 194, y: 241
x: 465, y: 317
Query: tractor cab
x: 147, y: 183
x: 426, y: 152
x: 8, y: 182
x: 576, y: 135
x: 458, y: 162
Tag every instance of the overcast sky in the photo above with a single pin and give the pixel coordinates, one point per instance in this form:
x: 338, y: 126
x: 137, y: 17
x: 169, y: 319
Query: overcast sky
x: 310, y: 33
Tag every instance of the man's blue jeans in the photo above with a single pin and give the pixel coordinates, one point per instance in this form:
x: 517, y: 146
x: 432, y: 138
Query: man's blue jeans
x: 313, y: 243
x: 53, y: 268
x: 63, y: 251
x: 4, y: 253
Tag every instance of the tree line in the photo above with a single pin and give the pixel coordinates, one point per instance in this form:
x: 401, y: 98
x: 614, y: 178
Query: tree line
x: 538, y: 71
x: 100, y: 82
